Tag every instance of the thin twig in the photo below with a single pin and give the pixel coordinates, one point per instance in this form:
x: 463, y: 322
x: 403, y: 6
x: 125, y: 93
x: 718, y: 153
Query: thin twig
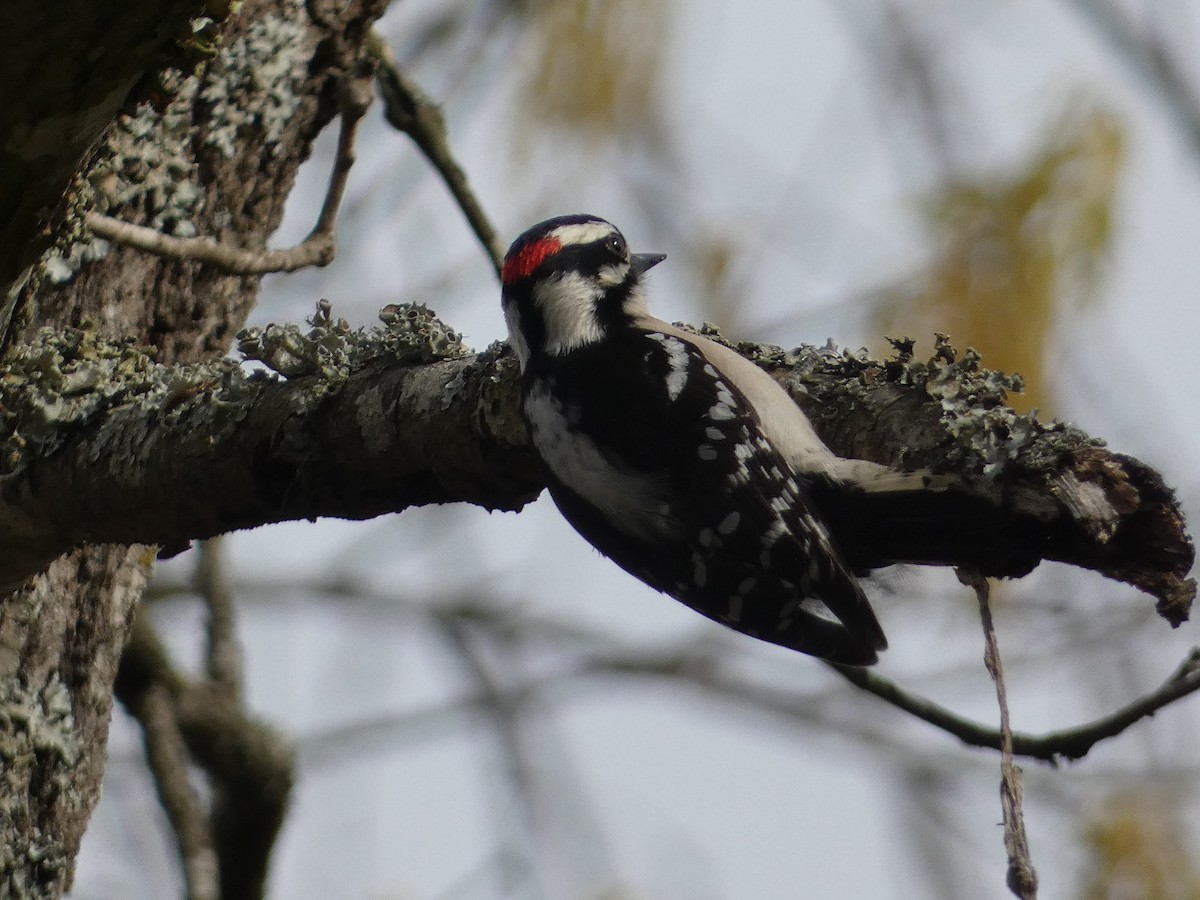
x: 1053, y: 746
x: 224, y: 655
x: 248, y: 765
x: 1022, y: 878
x: 692, y: 663
x: 411, y: 110
x: 318, y: 249
x: 166, y: 754
x: 167, y: 758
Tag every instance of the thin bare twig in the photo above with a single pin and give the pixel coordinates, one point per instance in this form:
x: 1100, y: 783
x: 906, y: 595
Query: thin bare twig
x: 696, y: 663
x: 248, y: 765
x: 1066, y: 744
x: 224, y: 655
x: 318, y: 249
x: 167, y: 757
x: 411, y: 110
x: 1022, y: 878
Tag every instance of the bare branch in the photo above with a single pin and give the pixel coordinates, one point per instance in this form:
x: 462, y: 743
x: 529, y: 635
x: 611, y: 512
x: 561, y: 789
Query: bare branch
x: 1066, y: 744
x: 1022, y: 877
x: 365, y: 423
x: 167, y: 757
x: 701, y: 665
x: 410, y: 109
x: 224, y: 655
x: 249, y: 766
x: 318, y: 249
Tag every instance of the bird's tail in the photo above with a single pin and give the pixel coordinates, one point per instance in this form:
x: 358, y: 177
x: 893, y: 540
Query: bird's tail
x: 902, y: 517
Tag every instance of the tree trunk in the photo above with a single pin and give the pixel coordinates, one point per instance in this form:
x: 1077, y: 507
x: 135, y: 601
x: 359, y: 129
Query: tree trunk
x: 202, y: 146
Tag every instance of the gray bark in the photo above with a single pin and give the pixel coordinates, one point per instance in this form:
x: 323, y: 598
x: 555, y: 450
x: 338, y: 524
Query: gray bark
x: 209, y: 149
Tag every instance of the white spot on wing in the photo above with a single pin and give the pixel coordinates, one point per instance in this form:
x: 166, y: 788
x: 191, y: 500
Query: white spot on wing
x: 720, y: 412
x: 677, y: 363
x: 706, y: 452
x: 729, y: 523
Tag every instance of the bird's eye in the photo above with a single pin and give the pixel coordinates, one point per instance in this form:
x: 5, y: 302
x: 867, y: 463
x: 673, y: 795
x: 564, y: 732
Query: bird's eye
x: 616, y: 246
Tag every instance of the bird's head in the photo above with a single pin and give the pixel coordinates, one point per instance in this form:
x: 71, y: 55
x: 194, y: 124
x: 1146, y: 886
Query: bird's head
x: 568, y: 282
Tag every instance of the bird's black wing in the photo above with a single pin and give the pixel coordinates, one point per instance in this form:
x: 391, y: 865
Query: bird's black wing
x: 707, y: 510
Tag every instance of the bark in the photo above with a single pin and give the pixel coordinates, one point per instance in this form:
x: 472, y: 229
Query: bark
x: 66, y: 70
x: 212, y: 130
x: 357, y: 424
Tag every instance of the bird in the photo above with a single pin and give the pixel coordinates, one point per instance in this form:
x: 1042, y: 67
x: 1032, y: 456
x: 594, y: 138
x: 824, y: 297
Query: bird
x: 689, y: 467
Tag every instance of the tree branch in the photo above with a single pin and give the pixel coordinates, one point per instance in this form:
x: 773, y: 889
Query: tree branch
x: 411, y: 110
x: 1099, y: 510
x: 224, y: 661
x: 702, y: 664
x: 248, y: 765
x: 166, y: 756
x: 1068, y: 743
x: 1022, y: 877
x: 106, y: 445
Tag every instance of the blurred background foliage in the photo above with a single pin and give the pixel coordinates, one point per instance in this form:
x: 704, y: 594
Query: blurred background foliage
x: 597, y: 65
x: 1020, y: 176
x: 1012, y: 251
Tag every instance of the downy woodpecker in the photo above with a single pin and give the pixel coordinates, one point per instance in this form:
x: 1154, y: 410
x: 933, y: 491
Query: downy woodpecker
x: 689, y: 467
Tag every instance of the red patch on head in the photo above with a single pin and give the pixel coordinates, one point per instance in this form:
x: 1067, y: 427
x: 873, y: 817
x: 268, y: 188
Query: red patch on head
x: 527, y: 259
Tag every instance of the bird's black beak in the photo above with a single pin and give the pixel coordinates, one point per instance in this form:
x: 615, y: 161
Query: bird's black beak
x: 643, y: 261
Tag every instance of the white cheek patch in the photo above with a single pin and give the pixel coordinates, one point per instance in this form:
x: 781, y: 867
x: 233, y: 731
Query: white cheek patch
x: 567, y: 302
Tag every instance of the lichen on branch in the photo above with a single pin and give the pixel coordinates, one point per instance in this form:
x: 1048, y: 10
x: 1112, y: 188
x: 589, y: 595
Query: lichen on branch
x: 104, y: 444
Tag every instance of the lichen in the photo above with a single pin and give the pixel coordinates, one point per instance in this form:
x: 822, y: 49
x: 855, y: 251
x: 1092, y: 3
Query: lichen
x: 262, y: 73
x: 147, y: 158
x: 984, y: 435
x: 65, y: 379
x: 144, y: 161
x: 412, y: 334
x: 38, y: 739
